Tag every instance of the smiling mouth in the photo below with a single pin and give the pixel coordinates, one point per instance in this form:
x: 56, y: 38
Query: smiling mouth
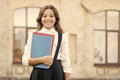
x: 48, y: 22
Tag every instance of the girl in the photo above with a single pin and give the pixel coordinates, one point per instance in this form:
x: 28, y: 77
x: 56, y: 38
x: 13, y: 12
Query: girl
x: 60, y: 69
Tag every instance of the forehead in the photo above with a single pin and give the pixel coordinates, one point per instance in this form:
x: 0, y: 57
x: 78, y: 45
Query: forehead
x: 48, y: 11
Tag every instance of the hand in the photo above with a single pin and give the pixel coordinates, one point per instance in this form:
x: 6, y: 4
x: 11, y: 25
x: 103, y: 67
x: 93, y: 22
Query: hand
x: 48, y: 60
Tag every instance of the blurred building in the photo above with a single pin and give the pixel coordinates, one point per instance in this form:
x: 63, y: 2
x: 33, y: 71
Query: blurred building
x: 94, y: 27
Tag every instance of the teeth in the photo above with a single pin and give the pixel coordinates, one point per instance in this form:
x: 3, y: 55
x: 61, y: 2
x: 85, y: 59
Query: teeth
x: 47, y: 22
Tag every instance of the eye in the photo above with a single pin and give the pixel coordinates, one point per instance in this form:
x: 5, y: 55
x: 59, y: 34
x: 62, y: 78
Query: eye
x: 51, y: 16
x: 44, y: 16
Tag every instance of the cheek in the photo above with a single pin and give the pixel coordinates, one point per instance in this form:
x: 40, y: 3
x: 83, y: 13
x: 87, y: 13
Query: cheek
x: 54, y: 20
x: 42, y: 20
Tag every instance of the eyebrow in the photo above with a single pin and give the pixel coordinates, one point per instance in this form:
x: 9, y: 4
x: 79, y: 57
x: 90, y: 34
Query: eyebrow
x: 49, y: 14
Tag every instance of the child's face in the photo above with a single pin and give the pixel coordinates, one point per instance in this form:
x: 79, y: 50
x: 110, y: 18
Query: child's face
x: 48, y: 19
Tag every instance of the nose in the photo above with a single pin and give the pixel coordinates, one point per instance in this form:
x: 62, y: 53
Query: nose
x: 48, y: 17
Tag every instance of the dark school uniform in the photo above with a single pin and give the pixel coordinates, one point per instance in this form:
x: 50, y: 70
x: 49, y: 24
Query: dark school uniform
x: 55, y: 72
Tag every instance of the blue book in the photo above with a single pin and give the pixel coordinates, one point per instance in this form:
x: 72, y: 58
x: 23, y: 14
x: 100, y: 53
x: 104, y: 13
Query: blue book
x: 42, y: 45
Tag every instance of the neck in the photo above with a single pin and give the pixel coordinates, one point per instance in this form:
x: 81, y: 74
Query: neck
x: 49, y: 28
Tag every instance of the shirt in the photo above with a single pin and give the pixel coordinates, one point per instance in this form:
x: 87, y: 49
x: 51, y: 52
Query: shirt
x: 63, y: 54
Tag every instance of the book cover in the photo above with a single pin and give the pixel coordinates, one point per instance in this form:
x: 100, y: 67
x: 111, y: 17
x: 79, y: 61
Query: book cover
x: 42, y: 45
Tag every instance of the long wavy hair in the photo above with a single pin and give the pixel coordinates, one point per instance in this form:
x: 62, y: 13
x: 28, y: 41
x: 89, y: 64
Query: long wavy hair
x: 57, y: 25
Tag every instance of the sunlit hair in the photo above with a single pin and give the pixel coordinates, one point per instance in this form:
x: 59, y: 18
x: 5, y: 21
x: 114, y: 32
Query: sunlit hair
x: 57, y: 23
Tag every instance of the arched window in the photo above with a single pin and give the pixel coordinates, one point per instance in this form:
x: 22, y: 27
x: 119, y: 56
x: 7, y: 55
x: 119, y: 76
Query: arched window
x: 107, y: 38
x: 24, y: 20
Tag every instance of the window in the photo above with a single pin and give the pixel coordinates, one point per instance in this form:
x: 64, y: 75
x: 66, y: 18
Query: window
x: 107, y: 38
x: 24, y: 20
x: 73, y: 48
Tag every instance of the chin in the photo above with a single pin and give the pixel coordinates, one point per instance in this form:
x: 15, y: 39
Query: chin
x: 49, y: 27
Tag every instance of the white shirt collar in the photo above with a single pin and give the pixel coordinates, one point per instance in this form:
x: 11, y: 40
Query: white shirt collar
x: 48, y: 30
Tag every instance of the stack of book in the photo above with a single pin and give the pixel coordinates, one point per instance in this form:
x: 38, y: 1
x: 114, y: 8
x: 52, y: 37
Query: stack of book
x: 42, y: 45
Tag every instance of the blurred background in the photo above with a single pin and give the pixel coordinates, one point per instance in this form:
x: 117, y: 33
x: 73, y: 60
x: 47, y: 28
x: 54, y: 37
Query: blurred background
x: 94, y: 36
